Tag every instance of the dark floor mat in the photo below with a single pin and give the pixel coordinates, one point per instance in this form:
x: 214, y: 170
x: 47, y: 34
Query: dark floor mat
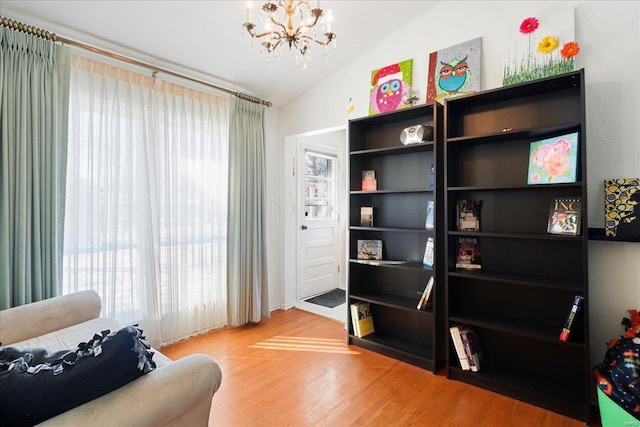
x: 329, y: 299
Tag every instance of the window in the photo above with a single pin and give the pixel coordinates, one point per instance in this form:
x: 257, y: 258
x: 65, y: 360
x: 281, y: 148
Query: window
x: 146, y: 206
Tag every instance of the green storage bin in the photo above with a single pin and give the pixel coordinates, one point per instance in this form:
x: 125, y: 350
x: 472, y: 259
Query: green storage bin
x: 612, y: 415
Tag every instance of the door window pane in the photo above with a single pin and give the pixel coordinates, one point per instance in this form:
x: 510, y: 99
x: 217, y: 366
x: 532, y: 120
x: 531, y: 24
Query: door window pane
x: 320, y: 186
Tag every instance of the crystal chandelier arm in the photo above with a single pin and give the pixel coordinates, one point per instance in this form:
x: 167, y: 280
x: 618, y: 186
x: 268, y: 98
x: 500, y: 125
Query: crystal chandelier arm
x: 301, y: 30
x: 278, y: 24
x: 329, y: 36
x: 251, y: 30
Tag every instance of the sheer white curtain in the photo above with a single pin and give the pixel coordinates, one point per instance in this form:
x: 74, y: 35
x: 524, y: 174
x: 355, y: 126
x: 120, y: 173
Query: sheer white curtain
x: 146, y: 208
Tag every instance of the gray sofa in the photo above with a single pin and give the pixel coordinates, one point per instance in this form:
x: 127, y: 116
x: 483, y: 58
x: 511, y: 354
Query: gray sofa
x: 176, y: 393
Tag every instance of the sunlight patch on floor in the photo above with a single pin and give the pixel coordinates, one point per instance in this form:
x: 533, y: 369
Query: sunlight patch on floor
x: 320, y: 345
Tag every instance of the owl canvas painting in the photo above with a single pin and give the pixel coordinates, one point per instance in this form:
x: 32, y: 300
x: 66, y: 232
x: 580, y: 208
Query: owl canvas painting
x: 388, y: 85
x: 454, y: 71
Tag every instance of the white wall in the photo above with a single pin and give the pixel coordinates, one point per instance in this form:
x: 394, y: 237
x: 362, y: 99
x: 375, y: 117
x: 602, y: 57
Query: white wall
x: 609, y: 36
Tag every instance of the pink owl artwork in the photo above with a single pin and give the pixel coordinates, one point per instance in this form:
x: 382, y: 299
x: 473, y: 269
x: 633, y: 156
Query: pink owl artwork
x: 388, y: 85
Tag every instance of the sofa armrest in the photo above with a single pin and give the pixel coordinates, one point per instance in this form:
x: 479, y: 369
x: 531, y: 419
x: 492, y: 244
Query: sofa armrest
x: 179, y: 394
x: 39, y: 318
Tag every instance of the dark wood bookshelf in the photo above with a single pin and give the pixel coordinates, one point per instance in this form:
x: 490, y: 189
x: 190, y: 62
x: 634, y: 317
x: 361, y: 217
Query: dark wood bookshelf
x: 519, y: 301
x: 393, y: 290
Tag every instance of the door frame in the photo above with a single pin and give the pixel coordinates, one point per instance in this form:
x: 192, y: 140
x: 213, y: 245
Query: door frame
x: 317, y: 139
x: 305, y: 147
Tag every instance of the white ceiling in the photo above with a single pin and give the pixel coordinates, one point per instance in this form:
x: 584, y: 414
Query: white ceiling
x: 202, y: 39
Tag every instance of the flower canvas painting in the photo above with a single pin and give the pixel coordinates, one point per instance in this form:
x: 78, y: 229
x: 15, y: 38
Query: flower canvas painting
x: 389, y: 85
x: 553, y: 160
x: 540, y: 47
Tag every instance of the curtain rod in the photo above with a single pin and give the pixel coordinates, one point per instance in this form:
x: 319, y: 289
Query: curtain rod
x: 30, y: 29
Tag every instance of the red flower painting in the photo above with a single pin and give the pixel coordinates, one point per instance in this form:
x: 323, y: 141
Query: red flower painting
x: 529, y: 25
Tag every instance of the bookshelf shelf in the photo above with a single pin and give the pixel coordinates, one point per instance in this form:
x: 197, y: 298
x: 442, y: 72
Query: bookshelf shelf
x: 539, y: 390
x: 512, y: 326
x: 503, y: 235
x: 519, y: 301
x: 389, y: 151
x: 569, y: 284
x: 417, y: 190
x: 393, y: 301
x: 407, y: 350
x: 406, y: 178
x: 395, y: 230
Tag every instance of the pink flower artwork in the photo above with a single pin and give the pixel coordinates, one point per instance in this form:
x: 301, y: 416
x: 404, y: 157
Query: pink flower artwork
x: 553, y: 160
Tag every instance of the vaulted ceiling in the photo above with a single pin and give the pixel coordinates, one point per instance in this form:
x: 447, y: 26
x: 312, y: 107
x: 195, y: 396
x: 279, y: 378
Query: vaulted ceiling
x: 203, y: 39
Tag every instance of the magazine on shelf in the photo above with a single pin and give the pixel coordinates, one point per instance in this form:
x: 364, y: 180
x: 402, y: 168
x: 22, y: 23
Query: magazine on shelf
x: 369, y: 249
x: 564, y: 216
x: 366, y: 216
x: 468, y: 214
x: 432, y: 177
x: 369, y: 180
x: 468, y: 254
x: 429, y: 221
x: 429, y: 253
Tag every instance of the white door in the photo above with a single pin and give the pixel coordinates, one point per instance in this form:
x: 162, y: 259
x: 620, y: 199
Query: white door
x: 318, y: 215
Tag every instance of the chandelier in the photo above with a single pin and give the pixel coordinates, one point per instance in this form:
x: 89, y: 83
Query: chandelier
x: 292, y: 23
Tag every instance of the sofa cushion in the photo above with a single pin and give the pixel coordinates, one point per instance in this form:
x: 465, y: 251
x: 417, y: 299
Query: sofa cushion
x: 69, y: 337
x: 36, y: 384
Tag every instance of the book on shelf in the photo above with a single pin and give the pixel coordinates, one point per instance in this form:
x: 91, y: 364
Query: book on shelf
x: 432, y: 177
x: 369, y: 249
x: 553, y: 160
x: 471, y: 344
x: 468, y: 214
x: 425, y: 300
x: 564, y: 216
x: 468, y: 254
x: 568, y: 324
x: 429, y: 221
x: 429, y: 253
x: 366, y: 216
x: 361, y: 319
x: 459, y: 346
x: 369, y: 181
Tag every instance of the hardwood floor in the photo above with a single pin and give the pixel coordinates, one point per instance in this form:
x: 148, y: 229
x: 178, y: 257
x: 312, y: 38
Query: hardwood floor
x: 295, y: 369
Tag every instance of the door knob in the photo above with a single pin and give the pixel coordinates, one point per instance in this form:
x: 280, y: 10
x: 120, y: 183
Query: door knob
x: 304, y: 227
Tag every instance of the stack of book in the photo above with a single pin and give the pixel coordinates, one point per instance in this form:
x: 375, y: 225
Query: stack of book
x: 467, y: 345
x: 361, y: 319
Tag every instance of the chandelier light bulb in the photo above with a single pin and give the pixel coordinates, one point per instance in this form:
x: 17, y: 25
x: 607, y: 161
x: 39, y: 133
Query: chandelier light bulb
x: 249, y: 11
x: 329, y: 20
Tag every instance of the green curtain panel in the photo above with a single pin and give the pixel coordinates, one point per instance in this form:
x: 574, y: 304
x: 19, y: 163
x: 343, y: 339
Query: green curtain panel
x: 34, y: 93
x: 247, y: 291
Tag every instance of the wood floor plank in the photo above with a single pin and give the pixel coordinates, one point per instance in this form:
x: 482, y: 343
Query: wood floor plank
x: 295, y: 369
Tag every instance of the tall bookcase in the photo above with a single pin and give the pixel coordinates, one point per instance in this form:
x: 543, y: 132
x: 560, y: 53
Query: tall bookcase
x: 394, y: 289
x: 519, y: 301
